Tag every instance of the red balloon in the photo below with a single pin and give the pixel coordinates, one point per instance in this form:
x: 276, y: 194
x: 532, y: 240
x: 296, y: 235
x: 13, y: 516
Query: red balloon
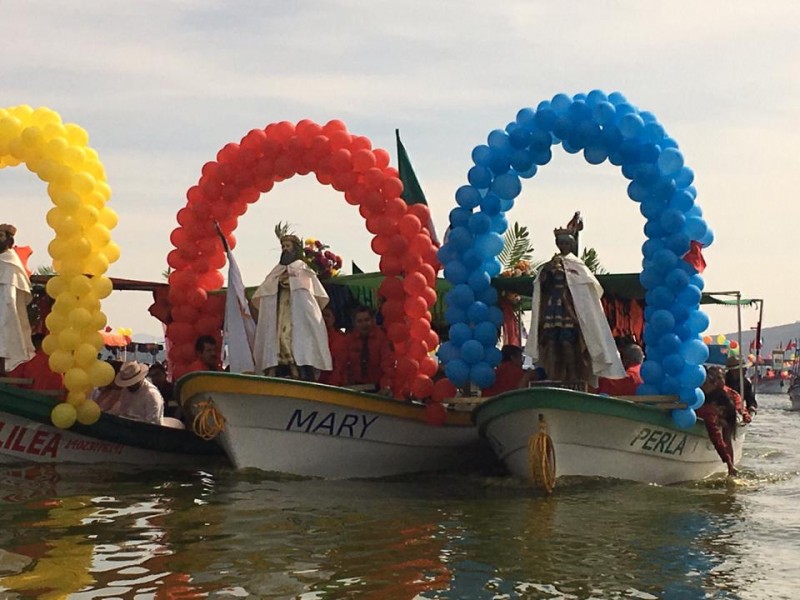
x: 420, y: 243
x: 184, y: 313
x: 360, y: 142
x: 391, y: 288
x: 363, y: 160
x: 382, y: 157
x: 397, y: 332
x: 422, y: 386
x: 419, y: 329
x: 416, y: 307
x: 429, y: 295
x: 307, y: 130
x: 208, y: 325
x: 391, y: 265
x: 395, y: 207
x: 179, y: 237
x: 416, y: 349
x: 435, y: 414
x: 211, y: 280
x: 421, y: 211
x: 254, y: 139
x: 406, y: 367
x: 429, y: 273
x: 373, y: 178
x: 428, y: 366
x: 414, y: 284
x: 409, y: 226
x: 176, y: 261
x: 443, y: 389
x: 392, y: 311
x: 412, y: 262
x: 340, y: 140
x: 374, y: 201
x: 280, y: 132
x: 380, y: 244
x: 196, y: 297
x: 341, y: 160
x: 332, y: 126
x: 392, y: 187
x: 433, y: 340
x: 179, y: 332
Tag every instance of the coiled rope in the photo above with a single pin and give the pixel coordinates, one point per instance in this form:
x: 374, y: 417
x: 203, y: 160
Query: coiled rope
x: 542, y: 458
x: 208, y: 421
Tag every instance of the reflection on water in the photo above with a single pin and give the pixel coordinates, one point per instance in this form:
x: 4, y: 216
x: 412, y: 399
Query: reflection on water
x: 78, y: 532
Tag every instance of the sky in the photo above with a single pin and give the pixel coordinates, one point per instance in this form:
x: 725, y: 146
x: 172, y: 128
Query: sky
x: 161, y: 86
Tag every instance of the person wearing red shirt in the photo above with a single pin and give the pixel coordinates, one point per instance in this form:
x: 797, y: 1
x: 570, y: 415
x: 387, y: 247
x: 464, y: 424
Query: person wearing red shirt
x: 719, y: 416
x: 632, y: 358
x: 509, y: 374
x: 38, y: 369
x: 337, y: 343
x: 367, y: 358
x: 206, y: 351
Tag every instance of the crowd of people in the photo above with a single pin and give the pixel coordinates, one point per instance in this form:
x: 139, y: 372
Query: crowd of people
x: 297, y: 336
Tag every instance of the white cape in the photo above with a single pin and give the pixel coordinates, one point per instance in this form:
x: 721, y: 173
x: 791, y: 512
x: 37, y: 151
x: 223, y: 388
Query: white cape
x: 15, y: 329
x: 309, y: 334
x: 586, y: 292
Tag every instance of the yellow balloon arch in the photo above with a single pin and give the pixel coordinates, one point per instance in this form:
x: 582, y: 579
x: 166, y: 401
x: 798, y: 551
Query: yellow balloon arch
x: 82, y: 249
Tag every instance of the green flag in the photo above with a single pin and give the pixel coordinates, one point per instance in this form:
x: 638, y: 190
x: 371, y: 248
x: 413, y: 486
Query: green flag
x: 356, y: 268
x: 412, y: 190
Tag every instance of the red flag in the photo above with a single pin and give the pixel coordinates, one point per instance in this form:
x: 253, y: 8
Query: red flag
x: 791, y: 345
x: 695, y: 257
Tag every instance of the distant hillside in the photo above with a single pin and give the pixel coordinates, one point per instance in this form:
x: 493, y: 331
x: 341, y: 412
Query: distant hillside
x: 774, y: 337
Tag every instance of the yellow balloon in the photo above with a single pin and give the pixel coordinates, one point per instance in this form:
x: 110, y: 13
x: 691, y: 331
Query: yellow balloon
x: 69, y: 338
x: 82, y: 182
x: 108, y: 218
x: 76, y: 398
x: 104, y: 189
x: 76, y: 135
x: 85, y: 355
x: 87, y: 214
x: 94, y: 338
x: 97, y: 264
x: 80, y: 285
x: 61, y: 361
x: 42, y: 116
x: 80, y: 318
x: 66, y: 301
x: 50, y: 344
x: 77, y: 380
x: 99, y: 236
x: 88, y: 412
x: 112, y: 252
x: 68, y: 201
x: 720, y: 339
x: 32, y: 137
x: 55, y: 322
x: 55, y: 149
x: 102, y: 287
x: 74, y: 157
x: 101, y: 373
x: 99, y: 320
x: 63, y: 415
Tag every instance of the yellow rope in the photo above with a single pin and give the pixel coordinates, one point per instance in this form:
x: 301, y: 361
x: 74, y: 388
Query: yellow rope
x: 542, y: 458
x: 208, y: 421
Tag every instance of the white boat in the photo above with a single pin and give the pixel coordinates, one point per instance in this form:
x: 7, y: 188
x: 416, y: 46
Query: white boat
x: 794, y: 395
x: 27, y: 435
x: 310, y: 429
x: 598, y: 436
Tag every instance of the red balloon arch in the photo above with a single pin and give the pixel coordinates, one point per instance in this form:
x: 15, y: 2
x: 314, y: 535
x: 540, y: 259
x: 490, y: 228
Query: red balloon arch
x: 348, y: 163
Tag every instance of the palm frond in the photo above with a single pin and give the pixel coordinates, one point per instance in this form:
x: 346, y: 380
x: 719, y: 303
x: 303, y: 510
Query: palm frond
x: 516, y: 246
x: 281, y: 229
x: 44, y: 270
x: 592, y: 262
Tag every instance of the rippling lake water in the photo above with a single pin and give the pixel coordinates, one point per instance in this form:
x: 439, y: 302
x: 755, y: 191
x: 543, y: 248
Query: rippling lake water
x: 97, y: 532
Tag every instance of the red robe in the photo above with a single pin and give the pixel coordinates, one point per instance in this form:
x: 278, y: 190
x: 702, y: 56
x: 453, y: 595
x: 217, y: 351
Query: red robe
x: 337, y: 343
x: 378, y: 358
x: 625, y: 386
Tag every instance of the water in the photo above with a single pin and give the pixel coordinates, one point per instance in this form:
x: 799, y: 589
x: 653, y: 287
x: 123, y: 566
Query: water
x: 83, y: 533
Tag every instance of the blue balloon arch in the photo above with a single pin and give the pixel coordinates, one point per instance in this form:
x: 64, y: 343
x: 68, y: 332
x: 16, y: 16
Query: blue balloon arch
x: 603, y: 127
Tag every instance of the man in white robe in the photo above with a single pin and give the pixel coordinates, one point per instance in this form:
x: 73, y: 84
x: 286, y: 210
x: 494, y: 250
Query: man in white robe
x: 16, y: 346
x: 569, y: 333
x: 291, y: 333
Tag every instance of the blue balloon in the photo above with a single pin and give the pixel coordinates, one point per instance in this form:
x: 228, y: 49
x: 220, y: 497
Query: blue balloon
x: 545, y: 117
x: 689, y: 296
x: 561, y: 103
x: 480, y: 223
x: 604, y: 113
x: 653, y: 229
x: 616, y: 98
x: 489, y: 244
x: 647, y: 389
x: 479, y: 177
x: 499, y: 139
x: 595, y: 155
x: 684, y: 177
x: 479, y: 281
x: 653, y: 132
x: 459, y: 216
x: 526, y: 119
x: 707, y: 239
x: 651, y: 372
x: 649, y: 279
x: 595, y: 97
x: 492, y: 266
x: 669, y: 343
x: 477, y: 312
x: 694, y: 352
x: 651, y: 246
x: 500, y: 223
x: 562, y: 128
x: 472, y: 259
x: 481, y: 155
x: 507, y: 186
x: 692, y: 376
x: 672, y: 220
x: 461, y: 295
x: 638, y: 192
x: 662, y: 321
x: 670, y: 161
x: 673, y: 364
x: 448, y: 351
x: 652, y: 209
x: 460, y: 333
x: 681, y: 313
x: 491, y: 204
x: 446, y: 253
x: 496, y: 315
x: 693, y: 397
x: 492, y: 356
x: 485, y: 333
x: 697, y: 281
x: 468, y: 197
x: 684, y: 417
x: 488, y: 296
x: 668, y: 142
x: 679, y: 243
x: 457, y: 371
x: 482, y: 375
x: 696, y: 227
x: 455, y: 314
x: 697, y: 321
x: 472, y: 352
x: 665, y: 260
x: 456, y: 272
x: 521, y: 160
x: 631, y: 125
x: 500, y: 161
x: 460, y: 238
x: 518, y: 136
x: 670, y: 385
x: 664, y: 190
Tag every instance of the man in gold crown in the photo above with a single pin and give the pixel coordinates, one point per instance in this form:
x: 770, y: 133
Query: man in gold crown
x: 291, y: 338
x: 569, y: 334
x: 16, y: 346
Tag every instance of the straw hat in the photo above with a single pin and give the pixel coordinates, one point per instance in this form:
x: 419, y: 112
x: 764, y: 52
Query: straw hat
x: 733, y: 362
x: 130, y: 374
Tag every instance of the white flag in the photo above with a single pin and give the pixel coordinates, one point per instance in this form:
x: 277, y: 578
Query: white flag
x: 240, y: 328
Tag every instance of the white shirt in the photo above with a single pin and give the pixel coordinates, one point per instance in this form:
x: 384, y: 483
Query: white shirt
x: 145, y: 404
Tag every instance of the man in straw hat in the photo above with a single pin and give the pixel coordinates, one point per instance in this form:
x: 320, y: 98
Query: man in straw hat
x: 15, y: 295
x: 291, y: 337
x: 139, y: 399
x: 569, y: 333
